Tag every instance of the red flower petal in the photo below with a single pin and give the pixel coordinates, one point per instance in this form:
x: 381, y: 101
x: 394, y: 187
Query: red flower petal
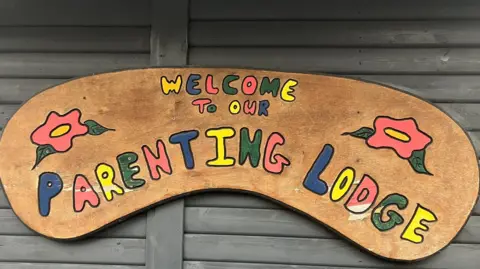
x: 42, y: 135
x: 418, y: 139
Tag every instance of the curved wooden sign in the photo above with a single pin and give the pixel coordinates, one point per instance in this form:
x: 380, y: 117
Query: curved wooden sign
x: 386, y: 170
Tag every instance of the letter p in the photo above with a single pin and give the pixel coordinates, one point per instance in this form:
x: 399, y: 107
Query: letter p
x: 49, y: 186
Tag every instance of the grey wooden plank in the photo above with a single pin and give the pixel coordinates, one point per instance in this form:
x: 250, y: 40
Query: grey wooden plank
x: 165, y: 236
x: 20, y: 90
x: 66, y: 65
x: 6, y: 112
x: 476, y: 208
x: 23, y: 265
x: 74, y: 39
x: 134, y: 227
x: 438, y: 88
x: 229, y: 200
x: 85, y: 12
x: 332, y: 252
x: 278, y: 222
x: 343, y: 60
x: 168, y: 48
x: 3, y: 199
x: 235, y: 265
x: 475, y: 138
x: 333, y: 10
x: 169, y: 33
x: 467, y: 115
x: 97, y: 250
x: 335, y: 33
x: 471, y: 231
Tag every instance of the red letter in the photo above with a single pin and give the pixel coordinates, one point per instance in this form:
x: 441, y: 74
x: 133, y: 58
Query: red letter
x: 201, y: 102
x: 209, y: 85
x: 280, y: 161
x: 249, y: 85
x: 83, y: 193
x: 160, y: 161
x: 250, y: 109
x: 363, y: 197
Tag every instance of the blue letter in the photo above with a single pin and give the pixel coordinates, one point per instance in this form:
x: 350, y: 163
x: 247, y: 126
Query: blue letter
x: 183, y: 138
x: 192, y: 83
x: 262, y: 107
x: 49, y: 186
x: 312, y: 181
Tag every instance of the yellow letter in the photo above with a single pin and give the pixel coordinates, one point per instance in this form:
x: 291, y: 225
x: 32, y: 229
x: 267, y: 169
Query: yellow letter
x: 168, y: 86
x: 415, y: 223
x: 342, y: 184
x: 220, y: 135
x: 234, y: 107
x: 287, y: 89
x: 106, y: 175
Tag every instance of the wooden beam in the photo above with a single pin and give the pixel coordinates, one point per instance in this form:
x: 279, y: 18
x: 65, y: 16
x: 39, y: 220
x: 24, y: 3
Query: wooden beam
x: 168, y: 43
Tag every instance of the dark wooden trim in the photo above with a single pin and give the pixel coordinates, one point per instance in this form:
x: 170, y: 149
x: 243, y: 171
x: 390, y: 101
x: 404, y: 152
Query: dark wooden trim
x: 168, y: 43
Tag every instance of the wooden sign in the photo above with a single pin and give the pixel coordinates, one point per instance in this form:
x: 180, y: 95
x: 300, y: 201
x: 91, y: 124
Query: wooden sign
x: 387, y: 170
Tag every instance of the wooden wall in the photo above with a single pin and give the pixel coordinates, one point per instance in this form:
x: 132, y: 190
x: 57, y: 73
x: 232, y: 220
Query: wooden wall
x: 43, y: 43
x: 430, y: 48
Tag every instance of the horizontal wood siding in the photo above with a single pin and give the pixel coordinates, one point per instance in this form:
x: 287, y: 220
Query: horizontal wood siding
x: 310, y: 251
x: 97, y: 250
x: 134, y: 227
x: 427, y: 48
x: 278, y: 222
x: 45, y: 43
x: 17, y: 90
x: 237, y: 265
x: 74, y: 13
x: 301, y: 10
x: 75, y: 39
x: 344, y: 60
x: 335, y: 33
x: 67, y: 65
x: 24, y: 265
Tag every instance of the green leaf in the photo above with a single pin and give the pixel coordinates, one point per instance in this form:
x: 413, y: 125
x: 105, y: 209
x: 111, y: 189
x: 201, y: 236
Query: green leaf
x: 42, y: 152
x: 363, y: 132
x: 417, y: 161
x: 94, y: 128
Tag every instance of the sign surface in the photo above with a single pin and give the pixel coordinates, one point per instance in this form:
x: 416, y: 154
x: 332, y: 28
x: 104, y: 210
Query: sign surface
x: 390, y: 172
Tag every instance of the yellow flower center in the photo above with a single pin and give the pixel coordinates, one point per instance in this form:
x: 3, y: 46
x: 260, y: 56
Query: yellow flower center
x: 60, y: 130
x: 397, y: 134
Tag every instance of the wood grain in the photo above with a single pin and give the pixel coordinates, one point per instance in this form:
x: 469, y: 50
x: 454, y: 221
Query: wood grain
x: 335, y: 33
x: 25, y: 265
x: 131, y: 228
x: 334, y: 10
x: 74, y: 39
x: 81, y: 13
x: 278, y: 222
x: 67, y: 65
x: 36, y: 248
x: 343, y: 60
x: 140, y: 113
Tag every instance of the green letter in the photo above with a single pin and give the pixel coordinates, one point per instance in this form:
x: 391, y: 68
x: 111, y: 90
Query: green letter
x: 125, y: 160
x: 394, y: 218
x: 270, y: 87
x: 226, y: 85
x: 250, y: 148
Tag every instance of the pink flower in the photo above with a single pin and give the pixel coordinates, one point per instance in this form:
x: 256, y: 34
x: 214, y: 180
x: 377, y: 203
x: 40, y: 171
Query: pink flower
x: 58, y: 131
x: 401, y: 135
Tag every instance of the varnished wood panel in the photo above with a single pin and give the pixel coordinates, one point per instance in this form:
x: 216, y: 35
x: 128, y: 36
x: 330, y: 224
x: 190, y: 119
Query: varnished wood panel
x: 303, y: 122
